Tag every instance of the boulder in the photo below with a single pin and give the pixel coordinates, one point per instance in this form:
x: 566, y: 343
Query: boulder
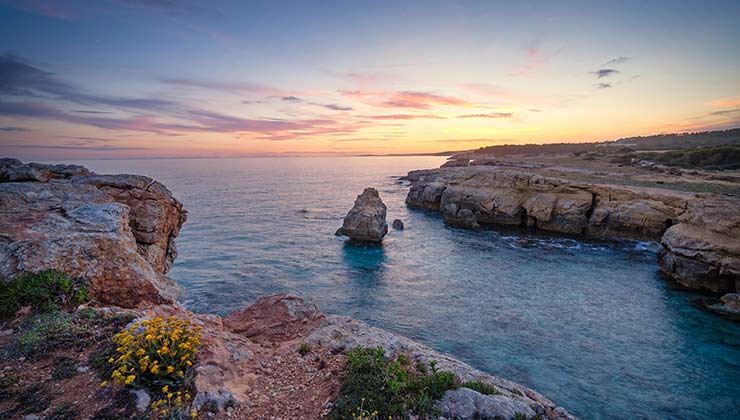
x: 70, y: 221
x: 398, y: 224
x: 466, y: 404
x: 278, y: 317
x: 366, y: 220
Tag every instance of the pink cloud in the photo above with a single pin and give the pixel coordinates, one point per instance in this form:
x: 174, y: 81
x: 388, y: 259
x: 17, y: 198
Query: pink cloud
x: 724, y: 103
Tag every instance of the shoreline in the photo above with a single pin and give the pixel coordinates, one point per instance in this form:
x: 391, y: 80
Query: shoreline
x: 118, y: 231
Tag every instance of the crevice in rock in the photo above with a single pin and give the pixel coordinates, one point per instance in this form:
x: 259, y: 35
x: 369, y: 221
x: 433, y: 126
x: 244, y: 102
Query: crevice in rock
x: 591, y: 208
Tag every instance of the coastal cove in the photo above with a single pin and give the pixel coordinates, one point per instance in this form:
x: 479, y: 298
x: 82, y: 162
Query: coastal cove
x: 589, y: 323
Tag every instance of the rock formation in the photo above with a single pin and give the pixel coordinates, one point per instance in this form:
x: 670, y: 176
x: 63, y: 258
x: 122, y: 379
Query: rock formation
x: 398, y: 224
x: 242, y: 349
x: 366, y: 220
x: 699, y: 233
x: 116, y: 231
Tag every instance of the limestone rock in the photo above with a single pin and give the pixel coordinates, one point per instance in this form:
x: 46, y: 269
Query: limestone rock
x: 72, y: 223
x: 466, y: 404
x: 275, y: 318
x: 366, y: 220
x: 398, y: 224
x: 700, y: 258
x: 700, y: 246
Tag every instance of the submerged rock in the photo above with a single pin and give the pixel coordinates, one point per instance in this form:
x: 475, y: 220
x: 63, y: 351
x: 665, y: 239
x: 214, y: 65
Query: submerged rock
x: 398, y: 224
x: 366, y: 220
x: 117, y: 232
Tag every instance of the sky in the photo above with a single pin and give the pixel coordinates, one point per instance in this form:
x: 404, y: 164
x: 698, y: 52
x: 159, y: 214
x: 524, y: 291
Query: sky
x: 168, y: 78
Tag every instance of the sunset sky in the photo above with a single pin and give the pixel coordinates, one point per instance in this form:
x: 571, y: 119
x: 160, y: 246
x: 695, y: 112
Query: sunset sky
x: 161, y: 78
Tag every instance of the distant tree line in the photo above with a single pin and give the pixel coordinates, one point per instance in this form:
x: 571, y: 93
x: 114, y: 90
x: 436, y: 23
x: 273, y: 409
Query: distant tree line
x: 682, y: 140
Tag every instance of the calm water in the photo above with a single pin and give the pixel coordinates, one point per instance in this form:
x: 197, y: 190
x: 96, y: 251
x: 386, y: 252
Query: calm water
x: 590, y: 324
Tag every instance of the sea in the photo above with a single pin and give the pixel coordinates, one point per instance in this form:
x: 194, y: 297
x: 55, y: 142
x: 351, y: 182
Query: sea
x: 589, y: 323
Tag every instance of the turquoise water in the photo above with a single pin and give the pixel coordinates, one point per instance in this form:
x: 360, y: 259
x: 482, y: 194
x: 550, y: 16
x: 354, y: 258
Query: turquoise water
x: 588, y: 323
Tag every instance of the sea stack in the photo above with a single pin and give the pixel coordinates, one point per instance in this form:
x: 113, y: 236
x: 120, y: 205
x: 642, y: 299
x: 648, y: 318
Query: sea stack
x: 366, y: 220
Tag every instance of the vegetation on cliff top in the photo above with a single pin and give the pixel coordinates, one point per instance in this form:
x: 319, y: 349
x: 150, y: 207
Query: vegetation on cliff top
x: 725, y: 157
x: 44, y: 291
x: 378, y: 388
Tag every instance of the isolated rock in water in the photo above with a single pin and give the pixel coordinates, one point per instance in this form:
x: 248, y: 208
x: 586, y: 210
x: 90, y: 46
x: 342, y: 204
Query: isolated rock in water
x: 466, y: 404
x: 398, y: 224
x: 71, y: 222
x: 366, y: 220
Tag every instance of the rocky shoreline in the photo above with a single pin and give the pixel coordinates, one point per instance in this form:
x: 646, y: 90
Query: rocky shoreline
x: 117, y: 232
x: 699, y: 233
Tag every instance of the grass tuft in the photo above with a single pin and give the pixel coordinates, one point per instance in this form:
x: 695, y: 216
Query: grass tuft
x: 481, y: 387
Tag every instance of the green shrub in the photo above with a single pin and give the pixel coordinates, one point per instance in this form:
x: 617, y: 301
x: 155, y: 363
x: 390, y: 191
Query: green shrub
x: 389, y: 388
x: 480, y: 387
x: 304, y: 349
x: 44, y: 291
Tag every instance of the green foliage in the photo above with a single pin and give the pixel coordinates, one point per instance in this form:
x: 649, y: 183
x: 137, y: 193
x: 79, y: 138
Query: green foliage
x: 34, y: 399
x: 44, y: 291
x: 480, y: 387
x: 64, y: 368
x: 64, y: 412
x: 716, y: 157
x: 304, y: 349
x: 392, y: 388
x: 47, y: 331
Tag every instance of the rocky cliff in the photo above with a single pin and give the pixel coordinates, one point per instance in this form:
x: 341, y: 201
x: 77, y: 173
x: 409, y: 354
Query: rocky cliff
x: 699, y: 233
x: 116, y: 231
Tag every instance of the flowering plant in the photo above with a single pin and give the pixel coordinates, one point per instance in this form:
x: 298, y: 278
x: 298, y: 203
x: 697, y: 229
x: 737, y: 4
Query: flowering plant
x: 158, y: 354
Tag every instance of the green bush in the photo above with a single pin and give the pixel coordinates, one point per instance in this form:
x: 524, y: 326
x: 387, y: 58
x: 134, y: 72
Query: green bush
x: 480, y: 387
x: 44, y: 291
x: 391, y: 388
x: 304, y: 349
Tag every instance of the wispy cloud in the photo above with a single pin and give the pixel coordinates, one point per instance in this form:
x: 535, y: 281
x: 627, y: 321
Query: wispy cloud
x: 601, y: 73
x: 337, y: 107
x: 603, y: 85
x: 401, y: 116
x: 489, y: 115
x: 724, y: 102
x: 13, y: 129
x: 405, y: 99
x: 616, y: 61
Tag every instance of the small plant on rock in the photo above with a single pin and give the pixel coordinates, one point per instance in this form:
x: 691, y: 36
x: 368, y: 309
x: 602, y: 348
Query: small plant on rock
x: 480, y: 387
x: 304, y: 349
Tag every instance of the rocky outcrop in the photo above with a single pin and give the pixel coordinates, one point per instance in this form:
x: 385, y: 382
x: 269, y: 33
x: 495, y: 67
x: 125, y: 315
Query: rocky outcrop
x: 341, y: 333
x: 117, y: 232
x: 366, y: 220
x: 242, y: 351
x: 398, y: 224
x: 698, y: 232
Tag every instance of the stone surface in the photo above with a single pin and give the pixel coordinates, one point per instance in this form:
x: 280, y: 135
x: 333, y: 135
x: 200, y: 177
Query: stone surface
x: 398, y: 224
x: 278, y: 317
x: 366, y: 220
x: 76, y: 222
x: 466, y: 404
x: 143, y: 399
x: 698, y: 232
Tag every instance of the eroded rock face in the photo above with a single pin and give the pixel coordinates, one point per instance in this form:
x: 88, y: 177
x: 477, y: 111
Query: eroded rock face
x: 73, y: 221
x: 366, y: 220
x: 700, y: 245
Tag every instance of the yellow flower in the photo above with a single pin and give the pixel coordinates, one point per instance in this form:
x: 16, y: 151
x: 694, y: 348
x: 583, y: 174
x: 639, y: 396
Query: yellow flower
x: 104, y: 384
x: 165, y: 388
x: 130, y: 379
